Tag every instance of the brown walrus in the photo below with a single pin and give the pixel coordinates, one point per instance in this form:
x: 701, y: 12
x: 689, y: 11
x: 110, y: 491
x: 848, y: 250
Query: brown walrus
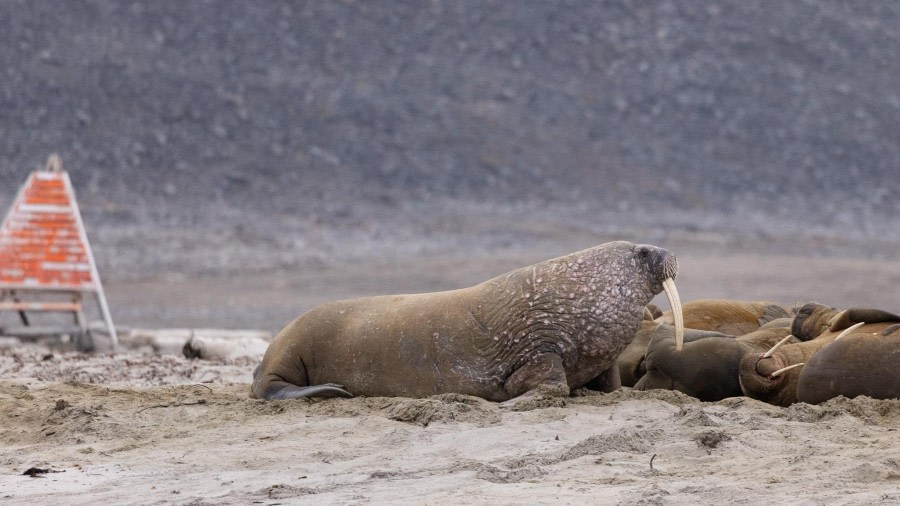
x: 732, y: 317
x: 547, y: 328
x: 811, y: 320
x: 707, y: 367
x: 860, y: 363
x: 726, y: 317
x: 630, y: 362
x: 773, y: 376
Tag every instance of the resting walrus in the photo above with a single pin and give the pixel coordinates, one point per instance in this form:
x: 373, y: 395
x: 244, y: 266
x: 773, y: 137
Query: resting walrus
x: 721, y: 317
x: 630, y: 362
x: 708, y: 366
x: 555, y: 325
x: 732, y: 317
x: 773, y: 376
x: 860, y: 363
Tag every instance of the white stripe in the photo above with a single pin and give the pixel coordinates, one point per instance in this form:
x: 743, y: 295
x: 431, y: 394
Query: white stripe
x: 65, y: 266
x: 44, y: 208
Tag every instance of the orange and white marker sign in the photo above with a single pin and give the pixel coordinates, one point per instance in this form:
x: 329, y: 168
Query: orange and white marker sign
x: 43, y: 245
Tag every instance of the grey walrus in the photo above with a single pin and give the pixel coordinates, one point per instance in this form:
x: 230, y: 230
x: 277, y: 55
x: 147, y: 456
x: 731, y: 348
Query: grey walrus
x: 546, y: 328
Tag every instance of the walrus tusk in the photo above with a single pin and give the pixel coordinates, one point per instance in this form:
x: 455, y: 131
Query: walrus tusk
x: 835, y: 318
x: 777, y: 345
x: 849, y: 329
x: 675, y: 303
x: 783, y: 369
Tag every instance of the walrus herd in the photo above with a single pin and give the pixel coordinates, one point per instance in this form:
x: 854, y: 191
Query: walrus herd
x: 810, y: 353
x: 583, y: 320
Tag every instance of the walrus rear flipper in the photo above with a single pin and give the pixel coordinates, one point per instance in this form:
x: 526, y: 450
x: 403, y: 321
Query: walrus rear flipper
x: 772, y: 312
x: 283, y: 390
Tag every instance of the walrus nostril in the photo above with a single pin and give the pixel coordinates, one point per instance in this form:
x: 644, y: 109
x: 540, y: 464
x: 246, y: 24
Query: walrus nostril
x: 765, y: 366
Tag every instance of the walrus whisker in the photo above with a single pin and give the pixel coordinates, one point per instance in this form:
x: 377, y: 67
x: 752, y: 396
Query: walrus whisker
x: 675, y: 302
x: 849, y: 329
x: 773, y: 349
x: 783, y: 369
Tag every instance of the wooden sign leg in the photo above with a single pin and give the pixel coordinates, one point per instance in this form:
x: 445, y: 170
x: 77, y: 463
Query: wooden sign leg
x: 107, y: 318
x: 22, y: 315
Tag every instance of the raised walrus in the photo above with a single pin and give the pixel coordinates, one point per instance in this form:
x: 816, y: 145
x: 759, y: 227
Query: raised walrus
x: 860, y: 363
x: 773, y: 376
x: 548, y: 328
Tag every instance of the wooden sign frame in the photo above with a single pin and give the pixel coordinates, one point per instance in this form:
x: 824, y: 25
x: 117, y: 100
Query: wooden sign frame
x: 44, y: 250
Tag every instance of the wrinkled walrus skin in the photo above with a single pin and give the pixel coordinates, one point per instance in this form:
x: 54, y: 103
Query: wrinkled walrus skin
x: 553, y: 326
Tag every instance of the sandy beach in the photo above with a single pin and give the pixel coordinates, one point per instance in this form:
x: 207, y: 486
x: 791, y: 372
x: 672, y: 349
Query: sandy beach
x: 206, y: 443
x: 140, y: 427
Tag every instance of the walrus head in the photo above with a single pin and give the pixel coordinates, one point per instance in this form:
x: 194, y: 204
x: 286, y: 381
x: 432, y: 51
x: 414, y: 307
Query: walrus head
x: 660, y: 267
x: 663, y: 265
x: 811, y: 320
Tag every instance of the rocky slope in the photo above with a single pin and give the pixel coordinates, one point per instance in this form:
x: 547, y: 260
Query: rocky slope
x: 289, y: 127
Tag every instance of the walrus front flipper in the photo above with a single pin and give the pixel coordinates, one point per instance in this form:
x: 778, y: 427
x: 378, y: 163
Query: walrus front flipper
x: 542, y: 376
x: 846, y: 319
x: 283, y: 390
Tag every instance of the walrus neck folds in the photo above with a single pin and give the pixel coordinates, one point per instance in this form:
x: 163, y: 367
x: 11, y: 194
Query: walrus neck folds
x: 566, y: 305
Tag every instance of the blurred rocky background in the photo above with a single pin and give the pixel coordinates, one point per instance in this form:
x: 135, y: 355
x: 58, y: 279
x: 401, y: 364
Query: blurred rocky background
x: 230, y: 139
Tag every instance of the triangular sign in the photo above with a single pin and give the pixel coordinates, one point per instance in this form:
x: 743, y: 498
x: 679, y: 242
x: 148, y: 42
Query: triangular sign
x: 43, y: 245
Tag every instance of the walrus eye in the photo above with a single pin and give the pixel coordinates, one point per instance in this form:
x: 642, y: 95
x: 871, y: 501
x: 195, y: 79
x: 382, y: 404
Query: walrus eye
x: 643, y: 253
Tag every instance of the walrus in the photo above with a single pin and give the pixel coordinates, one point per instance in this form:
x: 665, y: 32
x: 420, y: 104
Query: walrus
x: 774, y: 375
x: 652, y: 312
x: 707, y: 367
x: 812, y: 319
x: 732, y: 317
x: 230, y: 346
x: 542, y: 329
x: 727, y: 317
x: 630, y: 362
x: 860, y: 363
